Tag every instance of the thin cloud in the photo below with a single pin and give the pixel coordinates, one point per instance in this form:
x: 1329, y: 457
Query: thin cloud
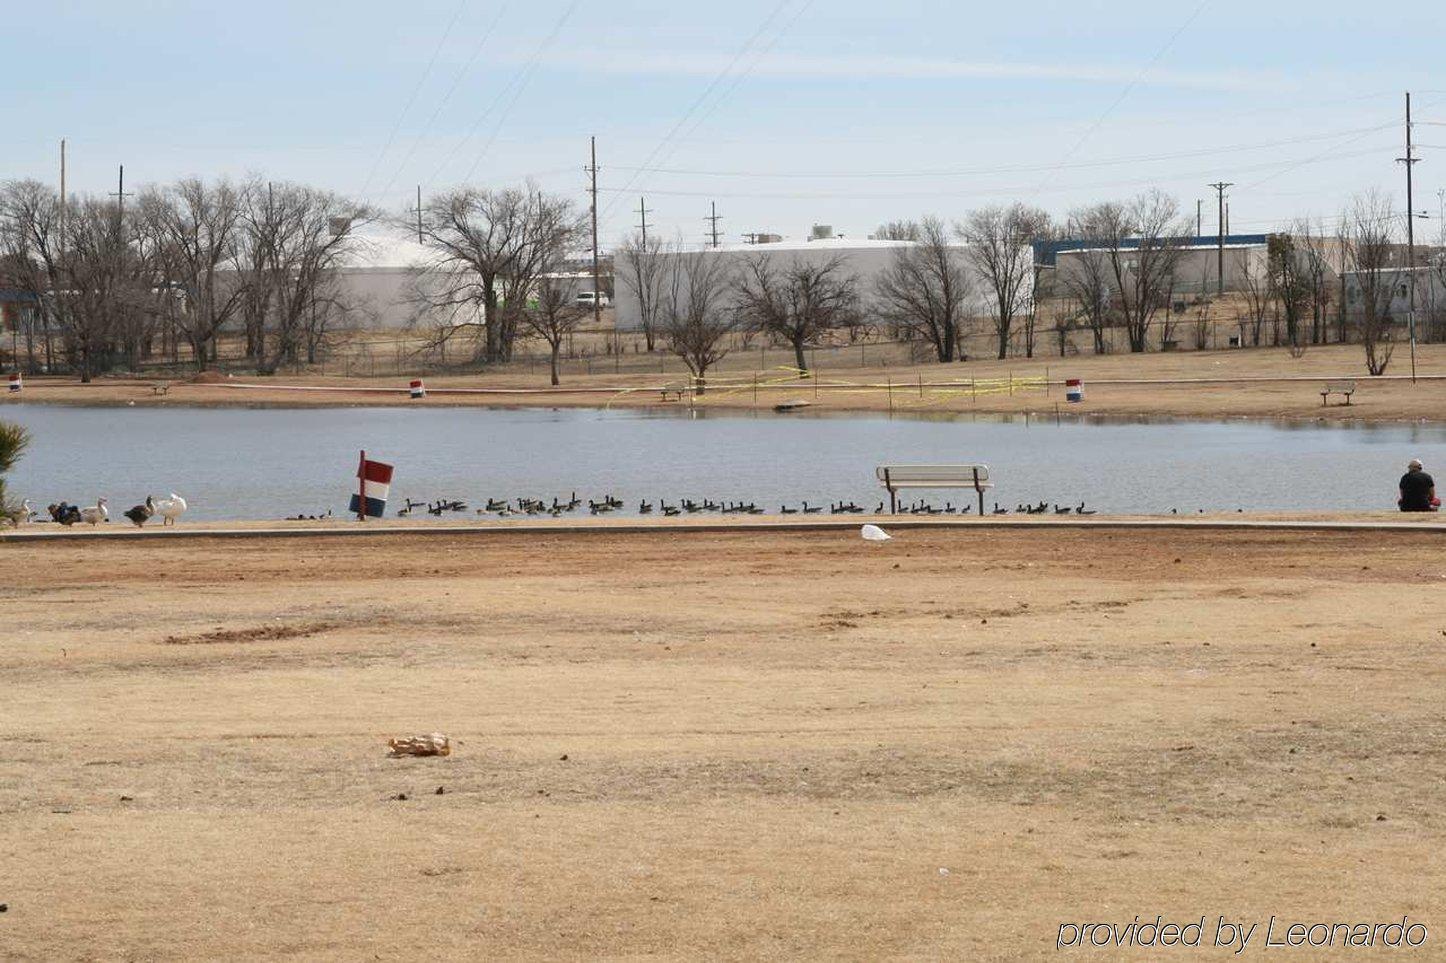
x: 792, y: 66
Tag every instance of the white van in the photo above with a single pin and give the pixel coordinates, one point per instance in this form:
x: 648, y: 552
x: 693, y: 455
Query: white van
x: 585, y: 300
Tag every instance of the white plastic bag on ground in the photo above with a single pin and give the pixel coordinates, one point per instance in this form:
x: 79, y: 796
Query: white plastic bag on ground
x: 873, y: 533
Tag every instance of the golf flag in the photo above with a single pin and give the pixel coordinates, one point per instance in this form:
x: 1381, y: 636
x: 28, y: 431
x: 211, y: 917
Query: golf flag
x: 374, y: 485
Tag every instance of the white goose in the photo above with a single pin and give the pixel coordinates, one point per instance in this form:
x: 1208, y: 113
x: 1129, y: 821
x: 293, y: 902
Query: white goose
x: 170, y: 509
x: 96, y: 513
x: 20, y: 515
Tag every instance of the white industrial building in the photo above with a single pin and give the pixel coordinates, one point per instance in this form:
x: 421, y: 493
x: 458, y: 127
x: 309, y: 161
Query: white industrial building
x: 865, y: 259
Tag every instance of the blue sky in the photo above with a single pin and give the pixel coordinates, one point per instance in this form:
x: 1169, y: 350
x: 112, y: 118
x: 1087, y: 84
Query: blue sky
x: 786, y: 112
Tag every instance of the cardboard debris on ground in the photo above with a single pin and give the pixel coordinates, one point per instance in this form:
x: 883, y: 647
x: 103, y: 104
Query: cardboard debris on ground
x: 435, y: 744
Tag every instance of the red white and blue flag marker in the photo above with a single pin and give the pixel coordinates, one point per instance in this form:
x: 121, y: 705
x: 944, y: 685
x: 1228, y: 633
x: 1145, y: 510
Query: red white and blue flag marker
x: 374, y: 485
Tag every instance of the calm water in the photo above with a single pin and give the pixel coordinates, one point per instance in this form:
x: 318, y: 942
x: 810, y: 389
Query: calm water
x: 268, y: 463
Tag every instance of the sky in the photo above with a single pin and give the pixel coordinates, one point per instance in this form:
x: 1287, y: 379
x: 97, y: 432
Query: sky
x: 783, y: 113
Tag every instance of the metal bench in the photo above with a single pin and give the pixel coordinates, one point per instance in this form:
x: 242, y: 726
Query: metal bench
x: 674, y: 394
x: 160, y: 387
x: 895, y: 477
x: 1346, y: 388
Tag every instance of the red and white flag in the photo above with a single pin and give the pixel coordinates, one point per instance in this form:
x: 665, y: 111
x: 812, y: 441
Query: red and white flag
x: 374, y: 485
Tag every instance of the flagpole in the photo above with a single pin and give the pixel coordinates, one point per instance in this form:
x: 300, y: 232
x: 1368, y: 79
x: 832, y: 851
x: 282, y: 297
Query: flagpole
x: 361, y: 474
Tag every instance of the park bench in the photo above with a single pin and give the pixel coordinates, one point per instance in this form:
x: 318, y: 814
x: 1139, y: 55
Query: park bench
x: 895, y: 477
x: 1346, y: 388
x: 160, y: 387
x: 674, y: 394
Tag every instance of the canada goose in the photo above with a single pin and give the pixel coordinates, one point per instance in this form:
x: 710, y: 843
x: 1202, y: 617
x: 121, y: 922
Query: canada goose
x: 1080, y: 510
x: 784, y: 509
x: 672, y: 510
x: 96, y: 513
x: 169, y: 509
x: 998, y: 510
x: 645, y: 508
x: 812, y: 511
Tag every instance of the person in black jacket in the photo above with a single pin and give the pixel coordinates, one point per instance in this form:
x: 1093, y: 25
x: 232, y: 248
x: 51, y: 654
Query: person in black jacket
x: 1418, y: 490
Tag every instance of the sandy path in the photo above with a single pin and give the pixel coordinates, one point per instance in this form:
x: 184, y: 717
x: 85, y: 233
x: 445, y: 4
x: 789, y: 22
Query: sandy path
x: 773, y: 742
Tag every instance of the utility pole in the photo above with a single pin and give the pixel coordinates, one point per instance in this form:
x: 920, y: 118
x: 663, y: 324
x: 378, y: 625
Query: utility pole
x: 1410, y: 160
x: 120, y: 194
x: 419, y: 214
x: 643, y: 213
x: 596, y: 284
x: 1220, y: 187
x: 1199, y: 218
x: 713, y: 220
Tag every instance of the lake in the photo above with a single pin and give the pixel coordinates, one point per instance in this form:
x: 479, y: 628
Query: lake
x: 271, y: 463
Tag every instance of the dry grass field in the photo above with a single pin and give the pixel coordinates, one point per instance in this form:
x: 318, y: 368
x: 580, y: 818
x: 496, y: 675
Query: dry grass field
x: 753, y: 745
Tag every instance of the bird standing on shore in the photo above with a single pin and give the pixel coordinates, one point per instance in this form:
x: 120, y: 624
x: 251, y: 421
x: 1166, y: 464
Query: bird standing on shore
x: 95, y: 514
x: 140, y: 514
x: 169, y: 509
x: 20, y: 514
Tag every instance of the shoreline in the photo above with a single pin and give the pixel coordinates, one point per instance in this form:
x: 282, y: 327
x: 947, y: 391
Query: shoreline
x: 1258, y: 384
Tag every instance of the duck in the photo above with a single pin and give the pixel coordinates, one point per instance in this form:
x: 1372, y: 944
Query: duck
x: 95, y: 514
x: 20, y: 514
x: 169, y: 509
x: 140, y: 514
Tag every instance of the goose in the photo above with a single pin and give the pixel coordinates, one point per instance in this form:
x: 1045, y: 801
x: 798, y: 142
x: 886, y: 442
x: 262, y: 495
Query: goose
x: 1080, y: 510
x: 645, y: 508
x: 140, y: 514
x: 672, y: 510
x: 812, y: 511
x: 880, y: 509
x: 20, y: 514
x: 96, y: 513
x: 169, y: 509
x: 1062, y: 510
x: 787, y: 511
x: 1000, y: 510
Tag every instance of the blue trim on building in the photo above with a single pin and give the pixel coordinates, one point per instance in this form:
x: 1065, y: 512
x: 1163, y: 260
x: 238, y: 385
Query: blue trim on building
x: 1046, y: 252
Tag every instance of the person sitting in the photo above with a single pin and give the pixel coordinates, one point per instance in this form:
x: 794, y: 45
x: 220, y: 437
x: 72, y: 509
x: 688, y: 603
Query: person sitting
x: 1418, y: 490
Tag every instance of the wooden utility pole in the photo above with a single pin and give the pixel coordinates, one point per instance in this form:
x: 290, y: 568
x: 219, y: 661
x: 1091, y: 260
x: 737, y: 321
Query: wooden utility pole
x: 596, y: 285
x: 643, y: 224
x: 1410, y: 160
x: 1220, y: 241
x: 419, y: 213
x: 1199, y: 217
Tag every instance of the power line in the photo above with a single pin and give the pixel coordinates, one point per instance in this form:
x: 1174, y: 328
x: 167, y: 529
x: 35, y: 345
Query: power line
x: 442, y: 103
x: 1015, y: 169
x: 983, y: 192
x: 416, y: 92
x: 713, y: 220
x: 1099, y: 122
x: 708, y: 91
x: 520, y: 85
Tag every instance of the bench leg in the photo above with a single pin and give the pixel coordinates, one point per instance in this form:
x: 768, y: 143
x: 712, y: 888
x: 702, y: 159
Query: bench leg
x: 893, y: 502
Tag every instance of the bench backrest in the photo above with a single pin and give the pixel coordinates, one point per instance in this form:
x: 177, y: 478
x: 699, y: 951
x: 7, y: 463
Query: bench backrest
x: 1342, y: 386
x: 933, y: 476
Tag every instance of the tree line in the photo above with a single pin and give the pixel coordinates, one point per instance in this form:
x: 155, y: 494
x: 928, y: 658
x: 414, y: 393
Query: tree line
x: 111, y: 283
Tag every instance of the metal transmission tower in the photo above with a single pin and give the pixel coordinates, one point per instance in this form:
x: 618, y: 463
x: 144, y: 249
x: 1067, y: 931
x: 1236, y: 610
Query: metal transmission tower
x: 1410, y: 160
x: 713, y: 221
x: 1220, y: 188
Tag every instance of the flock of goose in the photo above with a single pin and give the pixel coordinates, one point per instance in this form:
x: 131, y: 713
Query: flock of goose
x: 64, y: 513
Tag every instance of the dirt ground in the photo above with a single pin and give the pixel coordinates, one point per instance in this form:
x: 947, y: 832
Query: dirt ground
x: 1259, y: 383
x: 752, y: 745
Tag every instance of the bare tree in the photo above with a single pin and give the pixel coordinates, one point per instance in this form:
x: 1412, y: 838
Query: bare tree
x: 1142, y: 240
x: 1314, y: 248
x: 552, y: 315
x: 925, y: 289
x: 999, y: 240
x: 197, y: 231
x: 486, y: 242
x: 1290, y: 270
x: 897, y: 231
x: 1087, y: 278
x: 640, y: 264
x: 799, y: 303
x: 1257, y: 284
x: 698, y: 316
x: 1369, y: 242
